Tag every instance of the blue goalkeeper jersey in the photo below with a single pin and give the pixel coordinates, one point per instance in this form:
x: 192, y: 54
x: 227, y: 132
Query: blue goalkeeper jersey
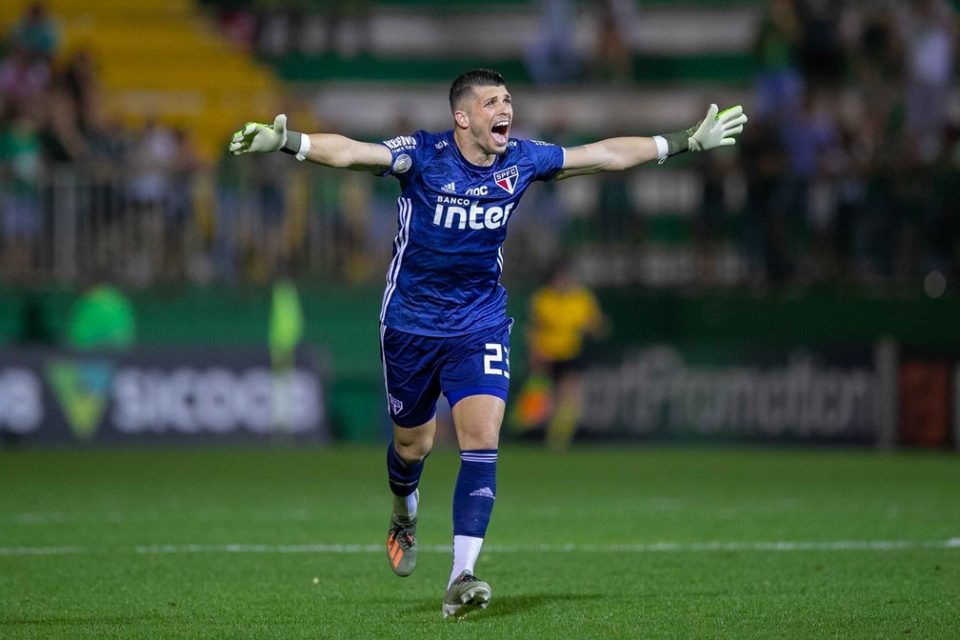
x: 452, y: 216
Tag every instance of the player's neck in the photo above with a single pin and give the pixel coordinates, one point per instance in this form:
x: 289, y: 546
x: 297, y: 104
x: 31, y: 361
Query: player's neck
x: 472, y: 152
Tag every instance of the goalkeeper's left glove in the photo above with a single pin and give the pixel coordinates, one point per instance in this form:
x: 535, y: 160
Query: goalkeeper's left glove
x: 716, y: 130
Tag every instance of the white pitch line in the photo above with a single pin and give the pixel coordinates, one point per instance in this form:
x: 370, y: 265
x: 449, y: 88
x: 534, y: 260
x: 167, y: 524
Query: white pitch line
x: 44, y: 551
x: 657, y: 547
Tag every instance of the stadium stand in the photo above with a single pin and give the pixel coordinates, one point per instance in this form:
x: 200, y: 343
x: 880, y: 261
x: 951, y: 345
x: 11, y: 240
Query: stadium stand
x: 162, y: 59
x: 579, y: 70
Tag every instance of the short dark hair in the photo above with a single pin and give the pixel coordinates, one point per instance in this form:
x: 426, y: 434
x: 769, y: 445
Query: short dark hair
x: 473, y: 78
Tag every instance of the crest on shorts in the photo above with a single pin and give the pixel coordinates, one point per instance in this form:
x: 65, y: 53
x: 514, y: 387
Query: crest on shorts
x: 396, y: 406
x: 507, y: 179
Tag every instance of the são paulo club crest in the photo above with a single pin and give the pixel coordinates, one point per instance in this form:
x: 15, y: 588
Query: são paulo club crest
x: 507, y: 179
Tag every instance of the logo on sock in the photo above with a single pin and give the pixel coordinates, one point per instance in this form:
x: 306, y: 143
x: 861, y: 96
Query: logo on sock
x: 485, y: 492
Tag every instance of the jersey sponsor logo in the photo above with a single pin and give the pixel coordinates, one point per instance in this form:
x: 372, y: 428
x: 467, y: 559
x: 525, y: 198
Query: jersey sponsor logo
x: 507, y: 179
x: 401, y: 143
x: 477, y: 191
x: 450, y: 187
x: 442, y: 144
x: 475, y: 217
x: 402, y: 164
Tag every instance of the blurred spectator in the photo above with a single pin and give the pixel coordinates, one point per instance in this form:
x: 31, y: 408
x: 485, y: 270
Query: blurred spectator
x: 233, y: 179
x: 617, y: 219
x: 107, y: 139
x: 239, y: 24
x: 36, y: 32
x: 275, y: 36
x: 178, y: 208
x: 929, y: 33
x: 22, y: 79
x: 63, y: 142
x: 850, y: 202
x: 353, y: 230
x: 102, y: 206
x: 711, y: 216
x: 151, y: 160
x: 614, y: 58
x: 79, y: 79
x: 21, y: 163
x: 778, y: 82
x: 552, y: 56
x: 271, y: 195
x: 563, y: 313
x: 537, y: 235
x: 820, y: 51
x: 102, y: 318
x: 348, y: 26
x: 765, y: 233
x: 809, y: 135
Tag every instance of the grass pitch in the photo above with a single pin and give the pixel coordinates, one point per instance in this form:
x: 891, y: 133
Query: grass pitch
x: 595, y: 543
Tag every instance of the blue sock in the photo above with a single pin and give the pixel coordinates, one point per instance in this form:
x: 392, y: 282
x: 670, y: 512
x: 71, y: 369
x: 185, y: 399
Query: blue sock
x: 475, y: 492
x: 404, y: 476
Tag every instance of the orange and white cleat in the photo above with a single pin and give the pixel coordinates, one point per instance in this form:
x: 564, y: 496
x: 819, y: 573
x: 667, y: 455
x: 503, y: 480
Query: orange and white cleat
x: 402, y: 545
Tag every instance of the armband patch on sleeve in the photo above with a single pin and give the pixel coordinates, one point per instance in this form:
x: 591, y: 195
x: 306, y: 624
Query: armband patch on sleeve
x: 401, y: 164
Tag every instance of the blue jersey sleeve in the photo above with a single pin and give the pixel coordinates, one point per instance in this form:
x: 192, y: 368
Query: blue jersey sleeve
x: 406, y: 152
x: 547, y: 158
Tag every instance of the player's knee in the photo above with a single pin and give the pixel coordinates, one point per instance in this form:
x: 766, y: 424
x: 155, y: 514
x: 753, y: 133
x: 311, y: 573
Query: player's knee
x: 414, y: 450
x: 480, y: 435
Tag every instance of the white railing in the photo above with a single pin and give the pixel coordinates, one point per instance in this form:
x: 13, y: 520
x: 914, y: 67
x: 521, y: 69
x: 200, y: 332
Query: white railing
x: 252, y: 220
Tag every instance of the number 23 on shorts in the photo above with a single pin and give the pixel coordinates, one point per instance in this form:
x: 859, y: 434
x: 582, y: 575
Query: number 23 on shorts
x: 496, y: 360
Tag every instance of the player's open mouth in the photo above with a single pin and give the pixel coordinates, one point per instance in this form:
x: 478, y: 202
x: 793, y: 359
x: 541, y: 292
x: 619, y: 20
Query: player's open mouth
x: 500, y: 130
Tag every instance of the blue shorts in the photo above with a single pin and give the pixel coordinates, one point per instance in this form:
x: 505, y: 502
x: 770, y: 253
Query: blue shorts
x: 418, y: 368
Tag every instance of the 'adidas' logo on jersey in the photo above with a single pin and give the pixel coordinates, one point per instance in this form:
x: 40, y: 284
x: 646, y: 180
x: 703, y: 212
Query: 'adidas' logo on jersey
x: 449, y: 188
x: 483, y: 493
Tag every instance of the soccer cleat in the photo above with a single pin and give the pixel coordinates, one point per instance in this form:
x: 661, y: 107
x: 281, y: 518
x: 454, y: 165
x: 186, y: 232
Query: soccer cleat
x: 467, y: 593
x: 402, y: 545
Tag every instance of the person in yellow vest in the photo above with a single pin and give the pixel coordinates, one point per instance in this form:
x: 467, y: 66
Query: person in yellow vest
x: 562, y: 314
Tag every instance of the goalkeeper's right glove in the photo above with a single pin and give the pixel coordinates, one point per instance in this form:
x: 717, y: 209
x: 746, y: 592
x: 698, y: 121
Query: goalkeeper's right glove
x: 262, y: 138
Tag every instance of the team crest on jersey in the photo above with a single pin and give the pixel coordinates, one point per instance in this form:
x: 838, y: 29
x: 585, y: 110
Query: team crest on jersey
x: 507, y: 179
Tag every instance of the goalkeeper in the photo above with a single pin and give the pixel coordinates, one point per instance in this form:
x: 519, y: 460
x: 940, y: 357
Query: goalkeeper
x: 443, y: 322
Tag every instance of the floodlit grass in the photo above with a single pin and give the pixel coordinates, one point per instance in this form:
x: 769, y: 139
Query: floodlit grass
x: 596, y: 543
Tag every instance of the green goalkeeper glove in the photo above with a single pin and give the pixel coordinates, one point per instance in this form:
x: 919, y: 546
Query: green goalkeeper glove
x: 716, y: 130
x: 260, y: 138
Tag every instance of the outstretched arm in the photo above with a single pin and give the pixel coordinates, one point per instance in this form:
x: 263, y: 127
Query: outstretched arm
x: 616, y: 154
x: 328, y: 149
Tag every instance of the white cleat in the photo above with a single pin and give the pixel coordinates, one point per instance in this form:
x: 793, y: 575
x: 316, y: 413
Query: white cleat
x: 467, y: 593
